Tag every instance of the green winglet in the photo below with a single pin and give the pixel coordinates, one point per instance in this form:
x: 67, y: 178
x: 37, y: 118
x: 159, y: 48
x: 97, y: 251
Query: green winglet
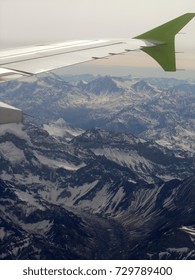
x: 163, y: 40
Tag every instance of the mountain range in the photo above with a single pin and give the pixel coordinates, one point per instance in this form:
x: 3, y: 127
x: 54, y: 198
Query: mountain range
x: 154, y: 109
x: 105, y: 170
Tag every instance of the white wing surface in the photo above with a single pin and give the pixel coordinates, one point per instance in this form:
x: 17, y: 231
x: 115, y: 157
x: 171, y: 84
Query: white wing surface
x: 37, y: 59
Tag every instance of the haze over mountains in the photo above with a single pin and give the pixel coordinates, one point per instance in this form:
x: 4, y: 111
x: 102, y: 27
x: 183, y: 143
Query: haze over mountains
x: 104, y: 170
x: 155, y: 109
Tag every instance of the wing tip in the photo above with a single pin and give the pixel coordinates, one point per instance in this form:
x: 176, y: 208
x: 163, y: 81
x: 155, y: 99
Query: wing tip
x: 164, y: 51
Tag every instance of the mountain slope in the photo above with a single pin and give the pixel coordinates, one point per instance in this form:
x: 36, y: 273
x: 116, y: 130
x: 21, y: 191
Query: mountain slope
x: 160, y: 110
x: 100, y: 195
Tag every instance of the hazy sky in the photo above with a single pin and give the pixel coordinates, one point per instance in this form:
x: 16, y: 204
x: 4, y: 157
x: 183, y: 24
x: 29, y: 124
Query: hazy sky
x: 39, y: 21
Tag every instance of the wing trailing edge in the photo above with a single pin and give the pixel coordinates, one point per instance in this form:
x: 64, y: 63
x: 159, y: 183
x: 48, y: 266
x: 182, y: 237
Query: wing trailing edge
x: 161, y: 41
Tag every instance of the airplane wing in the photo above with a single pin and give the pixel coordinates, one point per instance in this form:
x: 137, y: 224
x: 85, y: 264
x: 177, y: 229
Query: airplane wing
x: 38, y: 59
x: 158, y: 43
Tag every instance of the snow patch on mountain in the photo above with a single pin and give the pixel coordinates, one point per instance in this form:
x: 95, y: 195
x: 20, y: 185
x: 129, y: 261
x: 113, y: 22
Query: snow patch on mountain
x: 129, y: 158
x: 144, y: 201
x: 42, y: 227
x: 2, y: 233
x: 183, y: 138
x: 58, y: 164
x: 12, y: 153
x: 16, y: 129
x: 76, y: 193
x: 98, y: 202
x: 113, y: 206
x: 189, y: 230
x: 29, y: 198
x: 60, y: 128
